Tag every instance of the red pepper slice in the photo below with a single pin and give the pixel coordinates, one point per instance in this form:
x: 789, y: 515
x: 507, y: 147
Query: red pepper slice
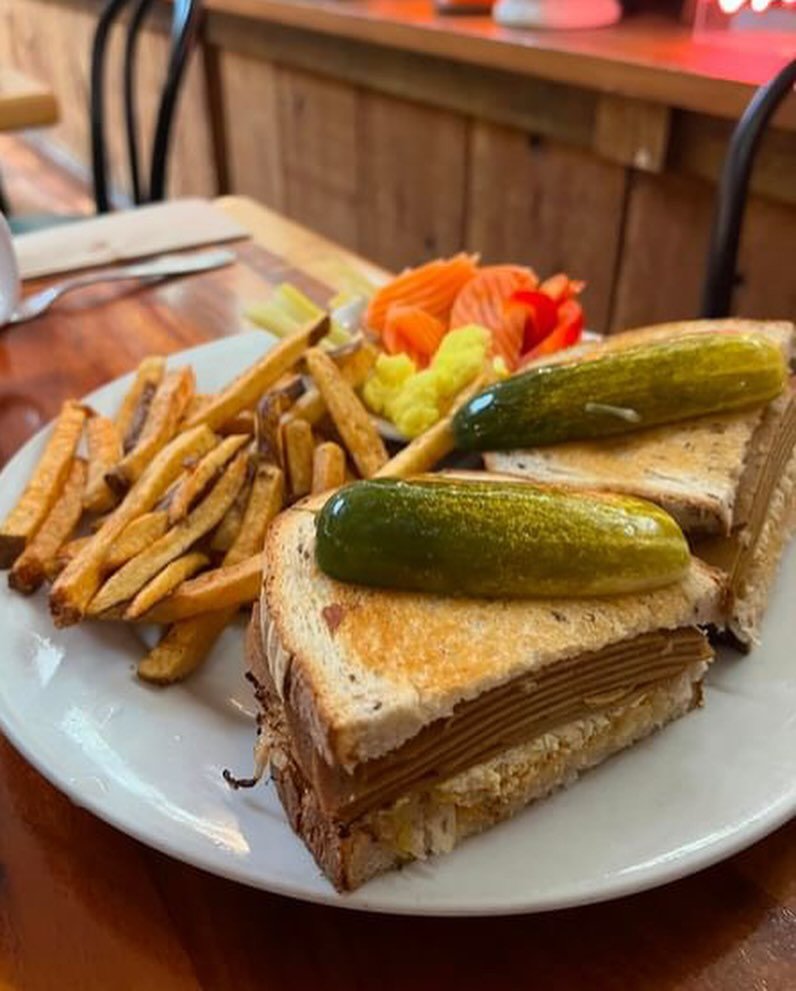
x: 541, y: 315
x: 567, y: 333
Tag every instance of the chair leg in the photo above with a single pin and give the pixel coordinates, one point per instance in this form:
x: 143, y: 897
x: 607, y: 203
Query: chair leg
x: 5, y: 209
x: 733, y: 191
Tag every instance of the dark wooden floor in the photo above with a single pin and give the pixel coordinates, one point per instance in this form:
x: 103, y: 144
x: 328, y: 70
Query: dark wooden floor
x: 33, y: 184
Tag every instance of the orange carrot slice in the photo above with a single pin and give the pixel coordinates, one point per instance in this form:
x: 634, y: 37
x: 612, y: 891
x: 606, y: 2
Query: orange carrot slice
x: 413, y: 331
x: 432, y: 287
x: 483, y: 301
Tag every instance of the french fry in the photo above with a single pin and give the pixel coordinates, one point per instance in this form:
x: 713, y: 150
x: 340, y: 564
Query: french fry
x: 49, y: 478
x: 352, y: 420
x: 183, y: 648
x: 433, y: 444
x: 198, y: 401
x: 188, y: 642
x: 104, y: 452
x: 354, y: 366
x: 66, y: 552
x: 270, y: 411
x: 328, y: 467
x: 135, y: 405
x: 190, y: 489
x: 139, y: 534
x: 164, y: 583
x: 131, y: 577
x: 298, y: 446
x: 242, y: 423
x: 222, y: 588
x: 77, y: 584
x: 226, y: 532
x: 246, y: 389
x: 266, y: 500
x: 168, y: 405
x: 31, y: 567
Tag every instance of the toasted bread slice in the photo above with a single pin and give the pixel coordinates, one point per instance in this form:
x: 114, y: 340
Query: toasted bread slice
x: 691, y: 469
x: 364, y: 670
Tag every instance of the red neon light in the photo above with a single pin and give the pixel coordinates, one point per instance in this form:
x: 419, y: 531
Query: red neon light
x: 733, y: 6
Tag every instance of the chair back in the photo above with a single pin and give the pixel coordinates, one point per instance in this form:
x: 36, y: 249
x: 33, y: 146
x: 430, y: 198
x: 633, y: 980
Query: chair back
x: 733, y: 192
x: 149, y: 187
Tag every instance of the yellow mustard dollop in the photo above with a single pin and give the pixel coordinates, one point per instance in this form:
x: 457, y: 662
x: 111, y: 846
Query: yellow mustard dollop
x: 414, y: 400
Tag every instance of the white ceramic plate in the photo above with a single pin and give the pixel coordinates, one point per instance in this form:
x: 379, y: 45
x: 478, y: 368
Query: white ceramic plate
x: 149, y: 761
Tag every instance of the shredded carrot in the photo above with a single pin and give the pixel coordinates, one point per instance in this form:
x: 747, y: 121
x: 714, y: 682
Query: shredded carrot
x: 432, y: 287
x: 413, y: 331
x: 483, y: 301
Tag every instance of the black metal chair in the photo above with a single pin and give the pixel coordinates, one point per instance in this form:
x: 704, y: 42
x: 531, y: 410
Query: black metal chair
x: 185, y: 20
x: 720, y: 276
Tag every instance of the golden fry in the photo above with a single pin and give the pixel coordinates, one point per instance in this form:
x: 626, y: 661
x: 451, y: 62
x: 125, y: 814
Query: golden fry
x: 354, y: 366
x: 165, y: 582
x: 139, y: 534
x: 198, y: 401
x: 78, y: 582
x: 183, y: 648
x: 246, y: 389
x: 352, y: 420
x: 44, y: 487
x: 270, y: 411
x: 328, y: 467
x: 228, y: 529
x: 130, y: 578
x: 431, y: 446
x: 299, y: 446
x: 65, y: 554
x: 223, y: 588
x: 242, y: 423
x: 33, y: 564
x: 135, y: 405
x: 188, y: 642
x: 104, y: 453
x: 206, y: 471
x: 266, y: 500
x: 168, y: 405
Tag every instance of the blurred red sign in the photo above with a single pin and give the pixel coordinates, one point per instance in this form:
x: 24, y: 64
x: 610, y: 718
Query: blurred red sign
x: 733, y: 6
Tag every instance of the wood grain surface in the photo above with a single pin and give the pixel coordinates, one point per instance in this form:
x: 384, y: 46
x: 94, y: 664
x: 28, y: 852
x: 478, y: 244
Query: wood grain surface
x: 24, y: 102
x: 84, y: 908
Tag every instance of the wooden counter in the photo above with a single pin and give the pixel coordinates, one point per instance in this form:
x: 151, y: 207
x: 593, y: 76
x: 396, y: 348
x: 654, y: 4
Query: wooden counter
x: 403, y: 134
x: 647, y: 57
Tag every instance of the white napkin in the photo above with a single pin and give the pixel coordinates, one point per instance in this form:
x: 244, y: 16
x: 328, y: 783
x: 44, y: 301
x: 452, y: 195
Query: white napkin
x: 124, y: 235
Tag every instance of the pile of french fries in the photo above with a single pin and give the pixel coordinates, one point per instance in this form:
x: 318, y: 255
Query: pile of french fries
x: 158, y: 515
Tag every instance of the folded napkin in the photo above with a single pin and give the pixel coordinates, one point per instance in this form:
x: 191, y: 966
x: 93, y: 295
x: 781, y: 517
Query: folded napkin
x: 124, y: 235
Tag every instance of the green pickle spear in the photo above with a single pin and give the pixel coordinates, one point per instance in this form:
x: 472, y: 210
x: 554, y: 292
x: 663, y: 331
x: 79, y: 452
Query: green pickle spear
x: 624, y: 390
x: 496, y: 539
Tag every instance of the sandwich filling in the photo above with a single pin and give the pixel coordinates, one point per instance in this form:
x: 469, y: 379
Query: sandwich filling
x: 772, y: 449
x: 478, y: 729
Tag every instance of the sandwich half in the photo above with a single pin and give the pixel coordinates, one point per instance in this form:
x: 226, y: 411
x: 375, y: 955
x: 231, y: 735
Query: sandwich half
x: 729, y: 479
x: 396, y: 724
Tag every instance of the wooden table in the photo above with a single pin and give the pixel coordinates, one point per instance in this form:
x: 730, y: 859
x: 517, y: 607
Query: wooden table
x: 24, y: 102
x: 84, y: 907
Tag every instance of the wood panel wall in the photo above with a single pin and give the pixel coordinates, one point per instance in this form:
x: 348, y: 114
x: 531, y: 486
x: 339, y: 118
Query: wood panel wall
x: 402, y: 158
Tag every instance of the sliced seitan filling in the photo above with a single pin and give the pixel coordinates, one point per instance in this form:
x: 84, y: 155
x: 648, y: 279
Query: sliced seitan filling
x: 773, y: 447
x: 483, y: 727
